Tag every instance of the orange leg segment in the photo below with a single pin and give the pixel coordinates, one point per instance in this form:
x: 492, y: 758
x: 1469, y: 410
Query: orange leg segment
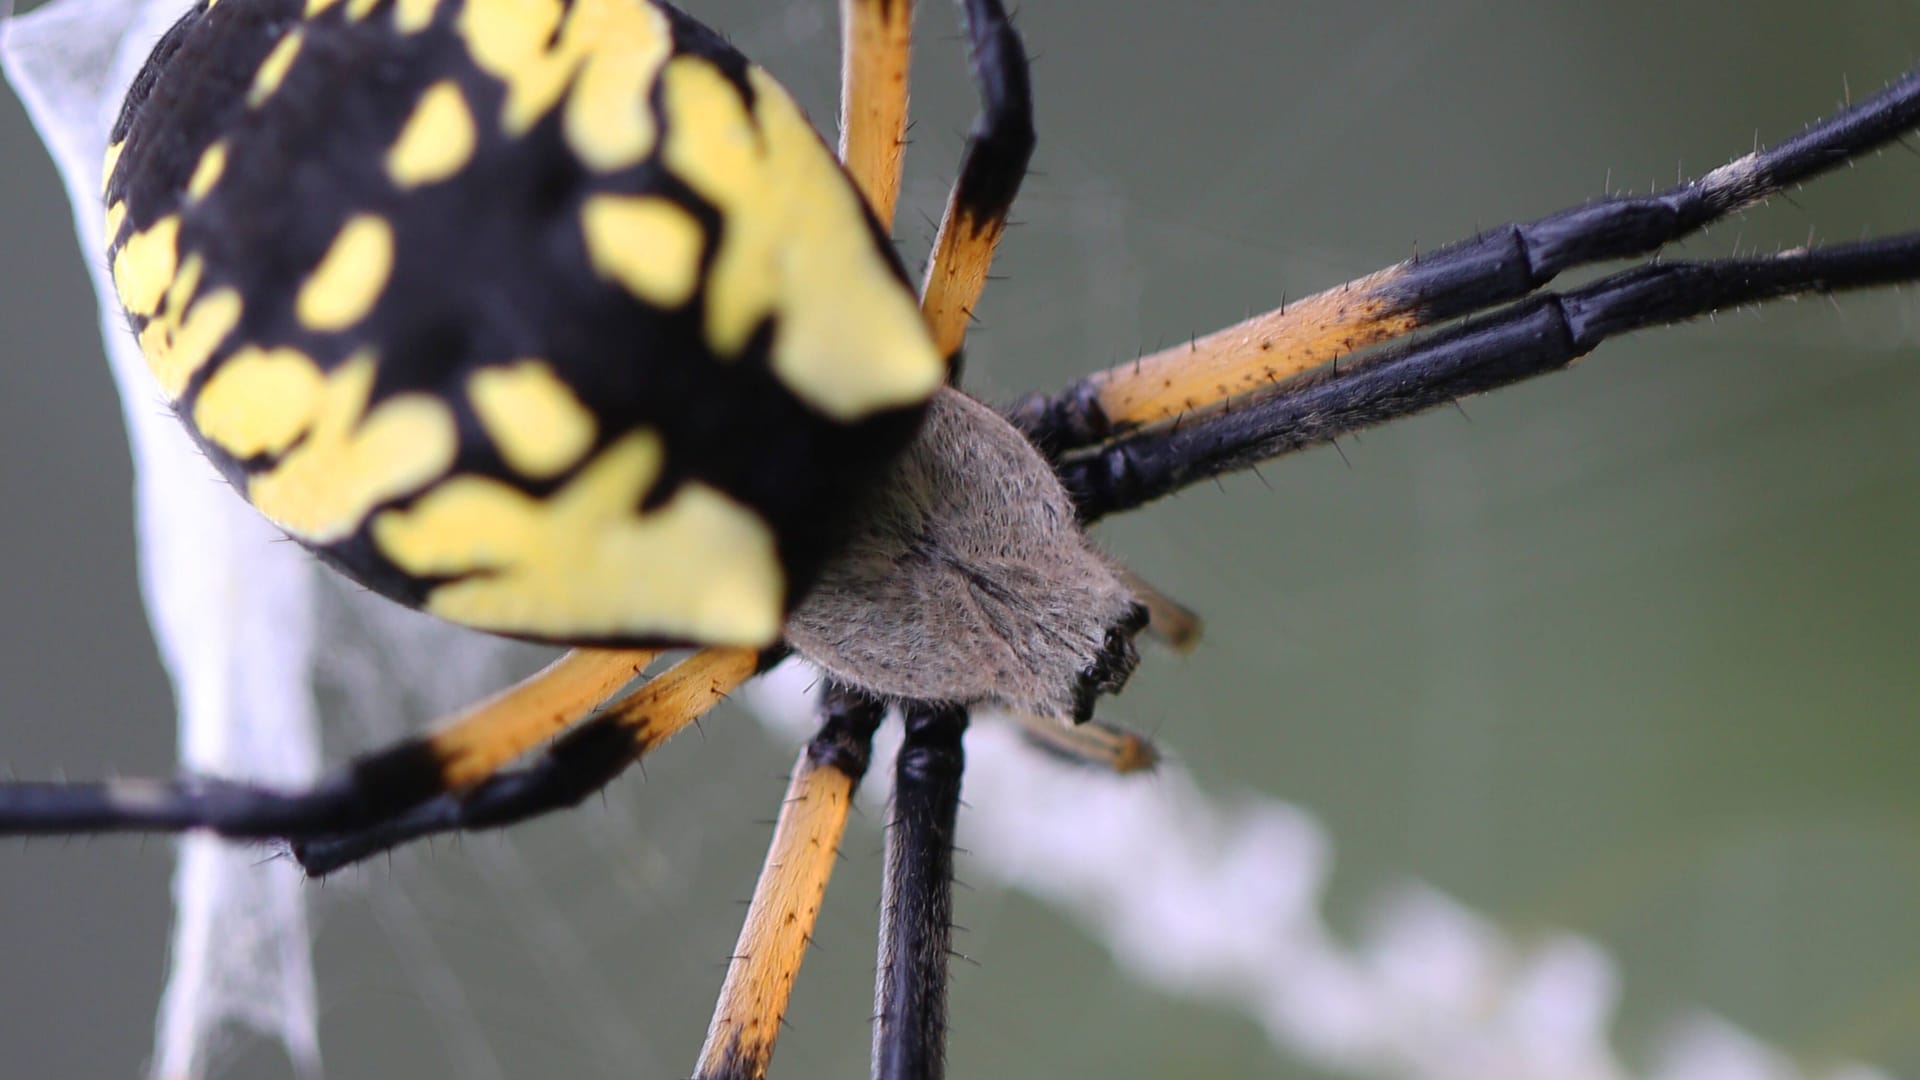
x: 786, y: 899
x: 876, y: 45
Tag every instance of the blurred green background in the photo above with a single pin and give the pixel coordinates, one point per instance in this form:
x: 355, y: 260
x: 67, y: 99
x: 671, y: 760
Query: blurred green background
x: 1628, y: 653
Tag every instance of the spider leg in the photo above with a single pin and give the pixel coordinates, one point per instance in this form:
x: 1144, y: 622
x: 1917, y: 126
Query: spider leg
x: 488, y: 735
x: 991, y: 169
x: 793, y: 881
x: 916, y: 900
x: 1095, y: 744
x: 1473, y: 275
x: 465, y: 750
x: 1535, y: 336
x: 579, y: 763
x: 1171, y: 623
x: 876, y: 45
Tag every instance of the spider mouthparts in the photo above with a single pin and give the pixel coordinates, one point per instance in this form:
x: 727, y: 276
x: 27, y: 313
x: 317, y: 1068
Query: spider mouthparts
x: 1111, y: 666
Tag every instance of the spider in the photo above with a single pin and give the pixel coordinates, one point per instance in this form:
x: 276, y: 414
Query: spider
x: 1089, y: 489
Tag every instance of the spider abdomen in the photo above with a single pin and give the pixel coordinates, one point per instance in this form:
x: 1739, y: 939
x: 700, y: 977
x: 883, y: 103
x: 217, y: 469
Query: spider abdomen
x: 552, y: 318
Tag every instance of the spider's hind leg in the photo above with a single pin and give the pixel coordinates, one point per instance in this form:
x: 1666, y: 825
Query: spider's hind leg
x: 362, y: 794
x: 793, y: 881
x: 916, y: 902
x: 581, y: 762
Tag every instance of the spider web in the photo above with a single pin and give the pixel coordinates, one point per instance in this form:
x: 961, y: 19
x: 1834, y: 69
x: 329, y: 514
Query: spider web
x: 230, y: 608
x: 1221, y: 900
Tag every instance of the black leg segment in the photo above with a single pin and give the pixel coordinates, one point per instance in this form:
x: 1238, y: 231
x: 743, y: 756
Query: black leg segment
x: 352, y: 797
x: 916, y: 904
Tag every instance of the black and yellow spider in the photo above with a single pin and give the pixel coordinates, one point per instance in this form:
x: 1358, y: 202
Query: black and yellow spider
x: 443, y: 418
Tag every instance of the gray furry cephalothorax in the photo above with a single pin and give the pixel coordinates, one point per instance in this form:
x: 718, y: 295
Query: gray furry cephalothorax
x: 968, y: 579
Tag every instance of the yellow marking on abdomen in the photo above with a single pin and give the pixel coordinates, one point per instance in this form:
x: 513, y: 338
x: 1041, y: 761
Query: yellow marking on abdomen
x: 607, y: 53
x: 110, y: 163
x: 273, y: 70
x: 213, y: 162
x: 351, y: 275
x: 587, y: 562
x: 183, y: 335
x: 796, y: 245
x: 116, y: 217
x: 648, y: 243
x: 259, y: 401
x: 413, y: 16
x: 437, y: 140
x: 353, y: 458
x: 532, y: 418
x: 145, y: 266
x: 507, y: 39
x: 608, y: 120
x: 712, y: 145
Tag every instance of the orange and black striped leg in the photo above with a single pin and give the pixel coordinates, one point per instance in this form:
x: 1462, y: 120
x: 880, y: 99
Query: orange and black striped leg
x: 991, y: 169
x: 580, y: 763
x: 1539, y: 335
x: 487, y: 736
x: 876, y: 47
x: 793, y: 881
x: 916, y: 902
x: 1494, y: 268
x: 372, y: 789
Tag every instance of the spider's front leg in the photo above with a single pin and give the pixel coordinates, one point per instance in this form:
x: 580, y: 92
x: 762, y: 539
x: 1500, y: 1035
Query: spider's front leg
x: 876, y: 46
x: 1496, y: 267
x: 991, y: 170
x: 1543, y: 334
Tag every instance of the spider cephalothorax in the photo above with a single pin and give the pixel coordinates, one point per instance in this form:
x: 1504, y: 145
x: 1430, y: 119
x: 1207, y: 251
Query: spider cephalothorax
x: 555, y: 318
x: 968, y: 579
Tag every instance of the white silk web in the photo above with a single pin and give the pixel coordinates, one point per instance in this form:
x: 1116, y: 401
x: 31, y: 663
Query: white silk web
x: 231, y: 609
